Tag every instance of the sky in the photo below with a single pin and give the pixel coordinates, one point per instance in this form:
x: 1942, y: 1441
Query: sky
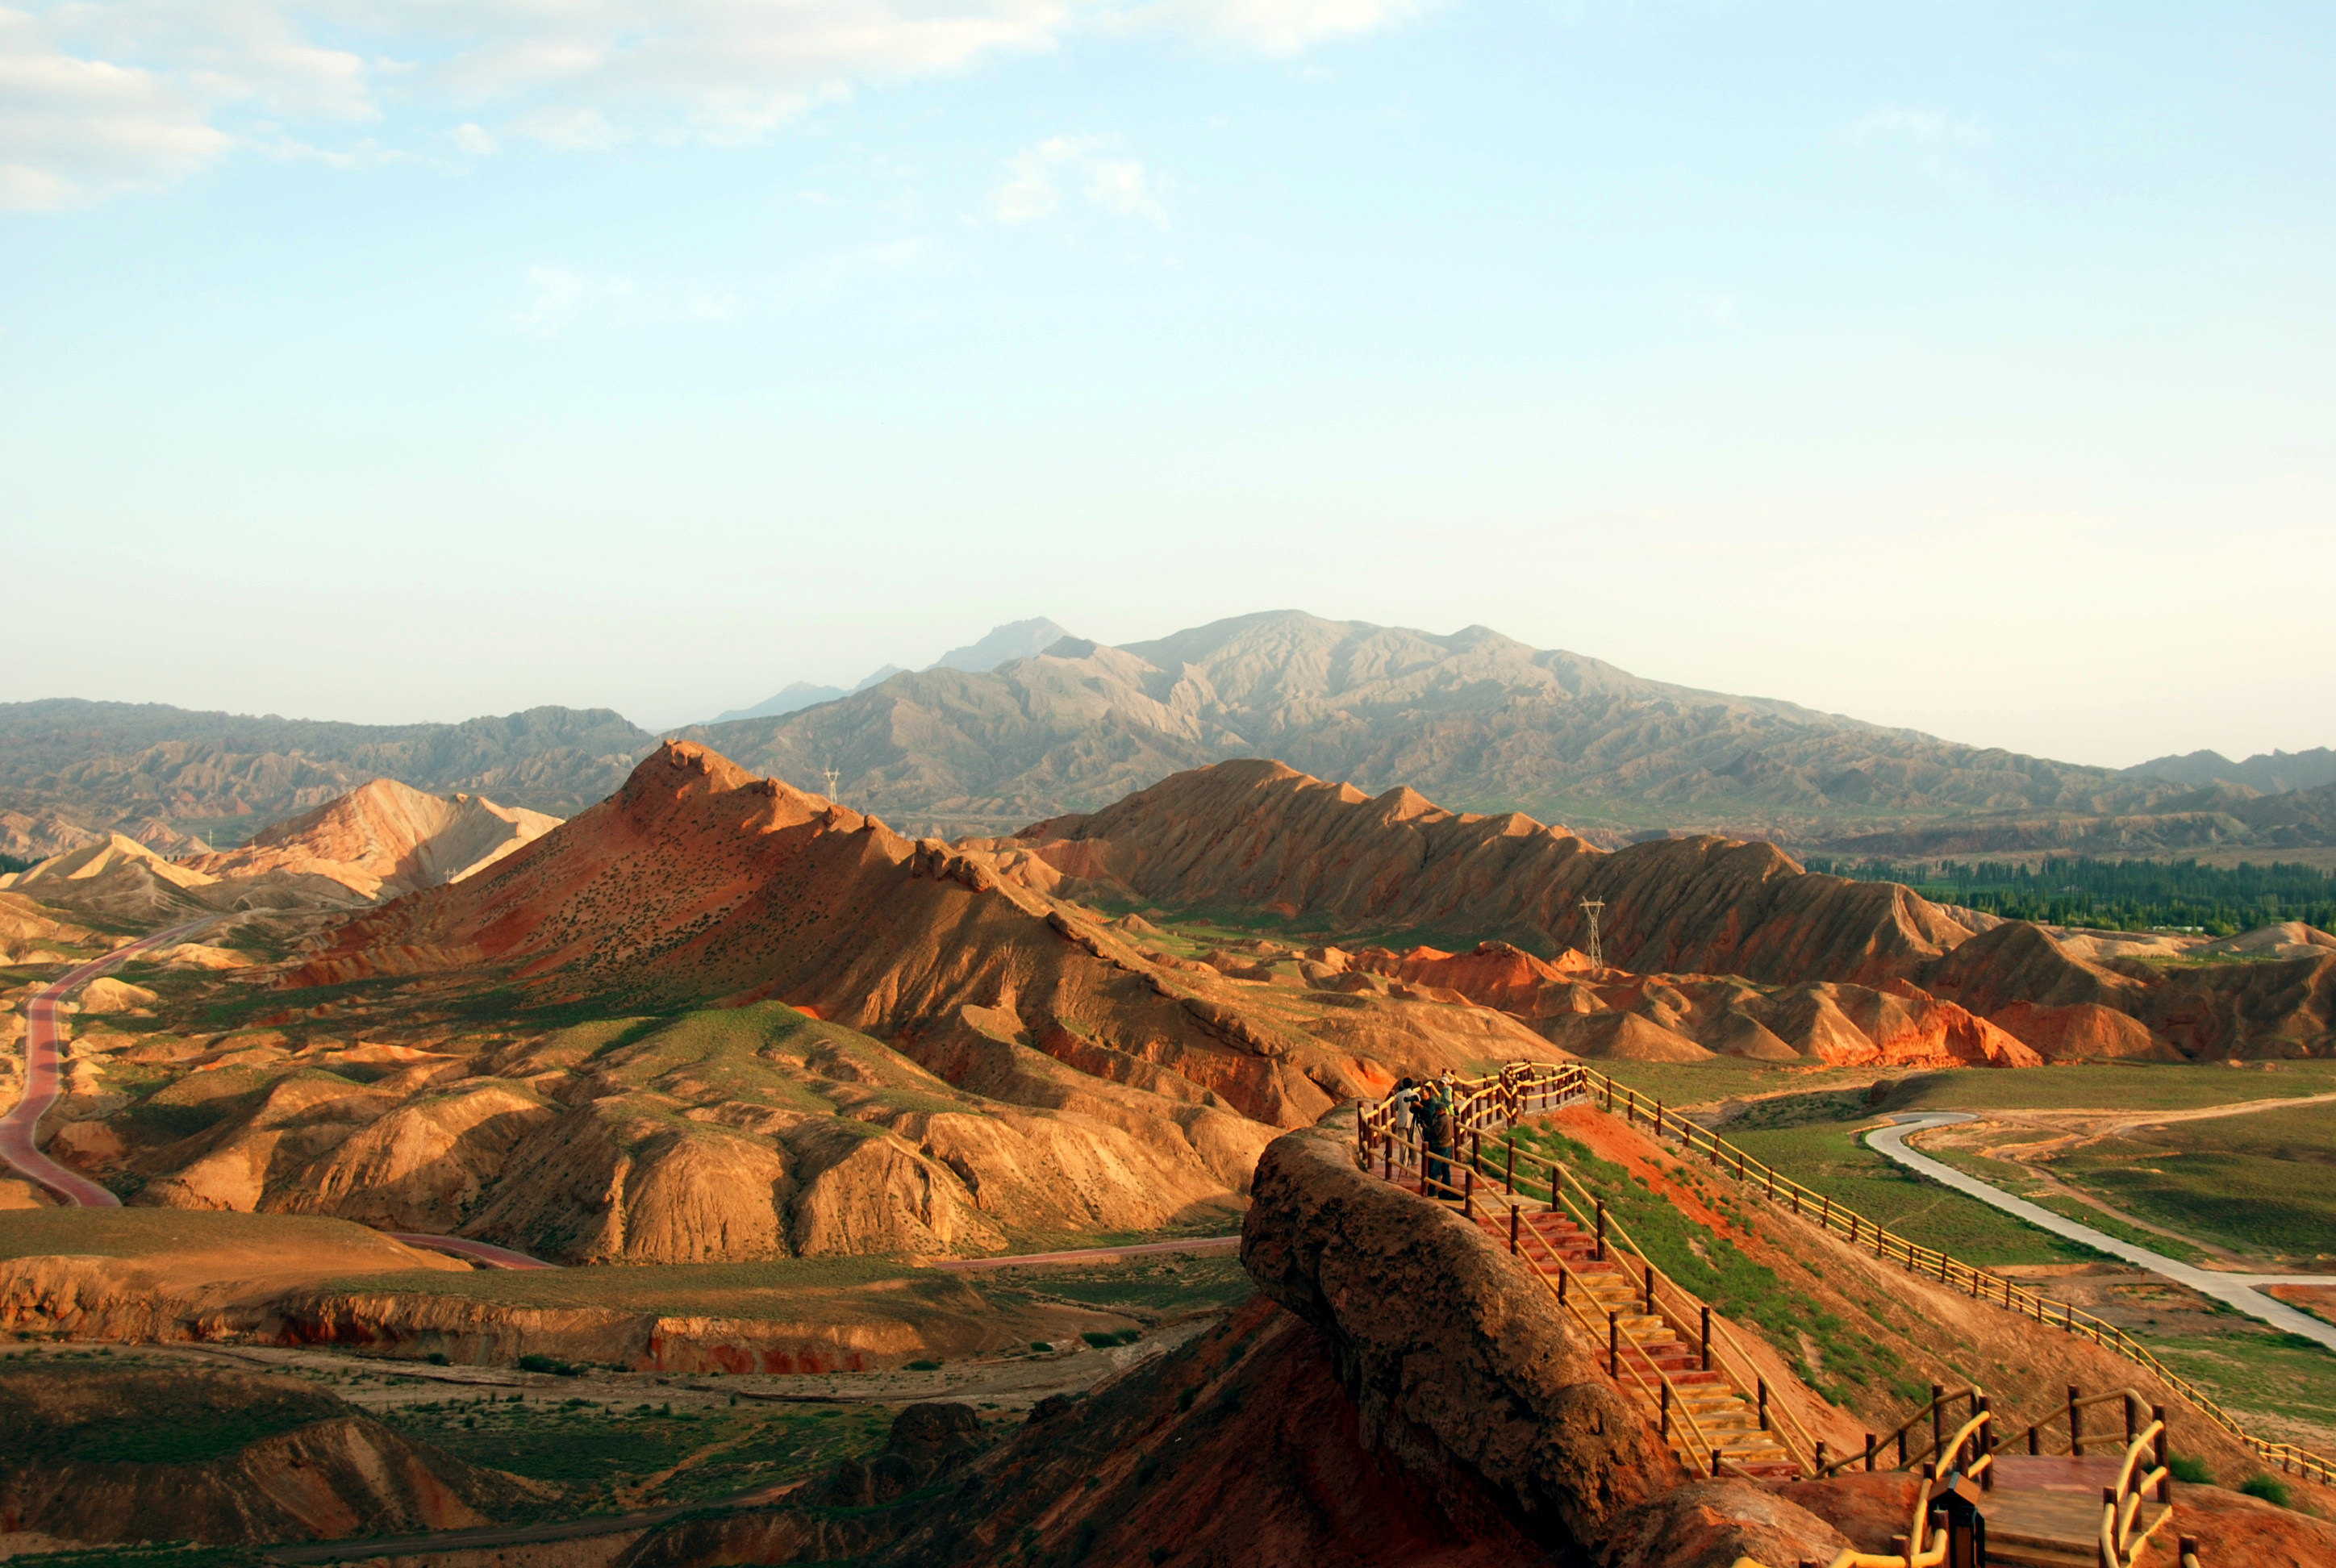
x: 1962, y: 366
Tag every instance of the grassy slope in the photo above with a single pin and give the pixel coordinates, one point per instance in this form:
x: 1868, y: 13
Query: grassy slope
x: 611, y: 1453
x: 156, y: 1233
x: 1831, y: 1161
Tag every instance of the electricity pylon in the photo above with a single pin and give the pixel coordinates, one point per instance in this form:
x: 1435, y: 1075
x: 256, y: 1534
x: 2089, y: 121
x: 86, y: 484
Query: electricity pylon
x: 1590, y: 907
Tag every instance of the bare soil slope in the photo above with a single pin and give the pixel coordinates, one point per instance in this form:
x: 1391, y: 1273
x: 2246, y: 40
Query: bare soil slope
x: 951, y: 1061
x: 382, y: 840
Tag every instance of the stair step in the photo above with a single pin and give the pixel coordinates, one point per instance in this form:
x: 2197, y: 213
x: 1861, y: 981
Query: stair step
x: 2021, y: 1556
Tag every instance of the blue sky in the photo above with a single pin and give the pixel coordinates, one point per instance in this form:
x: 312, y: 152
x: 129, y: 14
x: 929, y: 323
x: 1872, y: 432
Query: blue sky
x: 1962, y: 367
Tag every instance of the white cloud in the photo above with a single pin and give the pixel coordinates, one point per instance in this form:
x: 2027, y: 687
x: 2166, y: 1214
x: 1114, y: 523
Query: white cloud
x: 103, y: 95
x: 1270, y: 26
x: 1121, y: 186
x: 1922, y: 127
x: 71, y: 130
x: 1939, y: 146
x: 570, y: 129
x: 1033, y: 185
x: 556, y: 299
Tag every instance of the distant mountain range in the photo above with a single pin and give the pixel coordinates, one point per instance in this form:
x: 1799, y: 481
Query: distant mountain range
x: 1031, y: 723
x: 2269, y: 772
x: 1016, y: 639
x: 1474, y: 718
x: 99, y: 766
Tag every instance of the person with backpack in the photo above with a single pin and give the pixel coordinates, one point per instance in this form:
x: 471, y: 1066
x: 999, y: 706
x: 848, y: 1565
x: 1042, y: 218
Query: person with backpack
x: 1433, y: 1111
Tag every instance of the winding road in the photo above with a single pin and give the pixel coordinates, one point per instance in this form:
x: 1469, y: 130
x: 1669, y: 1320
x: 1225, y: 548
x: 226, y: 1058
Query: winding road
x: 2242, y: 1292
x: 45, y: 1053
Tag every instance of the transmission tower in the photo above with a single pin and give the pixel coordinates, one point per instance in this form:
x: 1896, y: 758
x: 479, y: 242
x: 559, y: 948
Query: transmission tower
x: 832, y: 776
x: 1590, y: 907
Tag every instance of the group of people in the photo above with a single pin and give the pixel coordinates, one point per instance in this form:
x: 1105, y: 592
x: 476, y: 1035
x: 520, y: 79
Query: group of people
x: 1431, y: 1106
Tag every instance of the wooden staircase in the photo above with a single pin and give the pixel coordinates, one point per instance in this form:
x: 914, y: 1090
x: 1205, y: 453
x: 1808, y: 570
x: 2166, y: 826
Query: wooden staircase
x: 1725, y: 1418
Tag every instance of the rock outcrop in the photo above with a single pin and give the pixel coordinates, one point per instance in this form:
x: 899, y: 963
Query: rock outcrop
x: 1454, y: 1358
x: 379, y: 840
x: 118, y: 879
x: 1330, y: 860
x: 1033, y: 1068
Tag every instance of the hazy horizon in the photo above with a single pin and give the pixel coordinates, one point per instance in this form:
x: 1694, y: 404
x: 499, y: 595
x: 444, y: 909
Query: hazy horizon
x: 1958, y: 369
x: 848, y: 684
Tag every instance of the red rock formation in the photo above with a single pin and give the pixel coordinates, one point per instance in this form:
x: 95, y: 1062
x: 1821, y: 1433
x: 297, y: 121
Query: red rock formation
x: 1264, y: 835
x: 1457, y: 1360
x: 381, y: 840
x: 1081, y: 1080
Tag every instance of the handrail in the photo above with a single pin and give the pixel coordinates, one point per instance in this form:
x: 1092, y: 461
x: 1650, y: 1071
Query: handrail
x: 1664, y: 1394
x: 1524, y: 1089
x: 1562, y: 1178
x: 1553, y: 1085
x: 2121, y: 1503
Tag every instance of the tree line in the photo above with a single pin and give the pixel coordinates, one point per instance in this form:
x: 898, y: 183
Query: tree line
x: 2116, y: 895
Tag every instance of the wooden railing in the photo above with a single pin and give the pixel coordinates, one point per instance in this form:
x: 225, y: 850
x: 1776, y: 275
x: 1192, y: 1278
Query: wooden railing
x: 1530, y: 1088
x: 1628, y: 1360
x: 1494, y: 1105
x: 2120, y: 1547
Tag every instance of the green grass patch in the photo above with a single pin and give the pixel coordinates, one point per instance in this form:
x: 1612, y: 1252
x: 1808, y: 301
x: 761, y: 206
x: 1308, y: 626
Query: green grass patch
x: 180, y: 1555
x: 2263, y: 1183
x: 2020, y: 1182
x: 88, y: 1412
x: 771, y: 1288
x: 1157, y: 1286
x: 1831, y: 1161
x: 154, y: 1232
x: 1848, y: 1359
x: 2137, y: 1086
x: 585, y: 1445
x: 234, y: 1012
x: 1681, y: 1084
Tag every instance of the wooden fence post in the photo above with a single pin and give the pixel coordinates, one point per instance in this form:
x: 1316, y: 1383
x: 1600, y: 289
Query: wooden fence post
x: 1706, y: 1353
x: 2075, y: 1424
x: 2165, y: 1482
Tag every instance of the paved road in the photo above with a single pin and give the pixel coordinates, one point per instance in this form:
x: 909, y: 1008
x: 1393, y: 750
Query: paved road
x: 2240, y: 1291
x: 463, y: 1247
x: 1089, y: 1254
x: 45, y: 1053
